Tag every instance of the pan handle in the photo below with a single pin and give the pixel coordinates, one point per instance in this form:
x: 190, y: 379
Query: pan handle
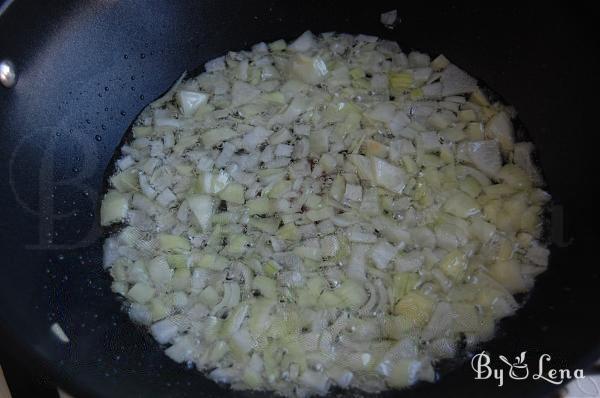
x: 8, y: 73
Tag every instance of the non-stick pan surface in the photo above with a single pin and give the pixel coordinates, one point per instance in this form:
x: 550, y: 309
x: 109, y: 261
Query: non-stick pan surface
x: 87, y: 68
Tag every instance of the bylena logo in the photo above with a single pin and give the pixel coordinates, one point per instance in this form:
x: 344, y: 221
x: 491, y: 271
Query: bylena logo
x: 519, y: 369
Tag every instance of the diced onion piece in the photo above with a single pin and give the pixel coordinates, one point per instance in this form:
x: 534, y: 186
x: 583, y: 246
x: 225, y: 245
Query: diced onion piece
x: 523, y: 158
x: 266, y: 286
x: 305, y: 42
x: 159, y: 271
x: 255, y: 137
x: 310, y: 70
x: 233, y: 193
x: 190, y: 101
x: 289, y: 232
x: 234, y: 319
x: 166, y: 198
x: 351, y: 294
x: 216, y: 136
x: 353, y: 192
x: 404, y: 373
x: 415, y: 307
x: 318, y: 382
x: 538, y: 254
x: 259, y: 206
x: 454, y: 265
x: 514, y: 176
x: 456, y: 81
x: 319, y: 141
x: 173, y: 243
x: 500, y: 128
x: 485, y: 155
x: 461, y: 205
x: 141, y: 293
x: 202, y: 207
x: 163, y: 331
x: 509, y: 275
x: 382, y: 254
x: 387, y: 175
x: 389, y: 18
x: 384, y: 112
x: 114, y: 208
x: 482, y: 230
x: 243, y: 93
x: 311, y: 253
x: 440, y: 62
x: 58, y: 331
x: 320, y: 214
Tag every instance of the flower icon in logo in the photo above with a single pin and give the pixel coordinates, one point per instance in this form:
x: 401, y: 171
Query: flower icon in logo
x: 519, y: 369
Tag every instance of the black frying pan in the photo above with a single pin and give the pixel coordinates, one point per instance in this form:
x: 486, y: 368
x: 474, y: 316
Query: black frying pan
x: 87, y: 68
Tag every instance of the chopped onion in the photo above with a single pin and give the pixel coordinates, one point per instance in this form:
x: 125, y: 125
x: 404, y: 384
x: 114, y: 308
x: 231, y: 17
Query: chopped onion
x: 485, y: 155
x: 328, y: 212
x: 164, y: 331
x: 114, y: 208
x: 190, y: 101
x: 455, y: 81
x: 202, y: 207
x: 500, y: 128
x: 388, y: 19
x: 303, y: 43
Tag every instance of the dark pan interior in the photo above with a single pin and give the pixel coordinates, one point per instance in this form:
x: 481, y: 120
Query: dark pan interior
x: 87, y: 68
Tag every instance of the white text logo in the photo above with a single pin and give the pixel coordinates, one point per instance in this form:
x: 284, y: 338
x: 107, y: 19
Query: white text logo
x: 519, y: 369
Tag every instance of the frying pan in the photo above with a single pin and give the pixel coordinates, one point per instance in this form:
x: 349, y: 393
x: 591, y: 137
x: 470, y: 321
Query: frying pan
x: 87, y: 68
